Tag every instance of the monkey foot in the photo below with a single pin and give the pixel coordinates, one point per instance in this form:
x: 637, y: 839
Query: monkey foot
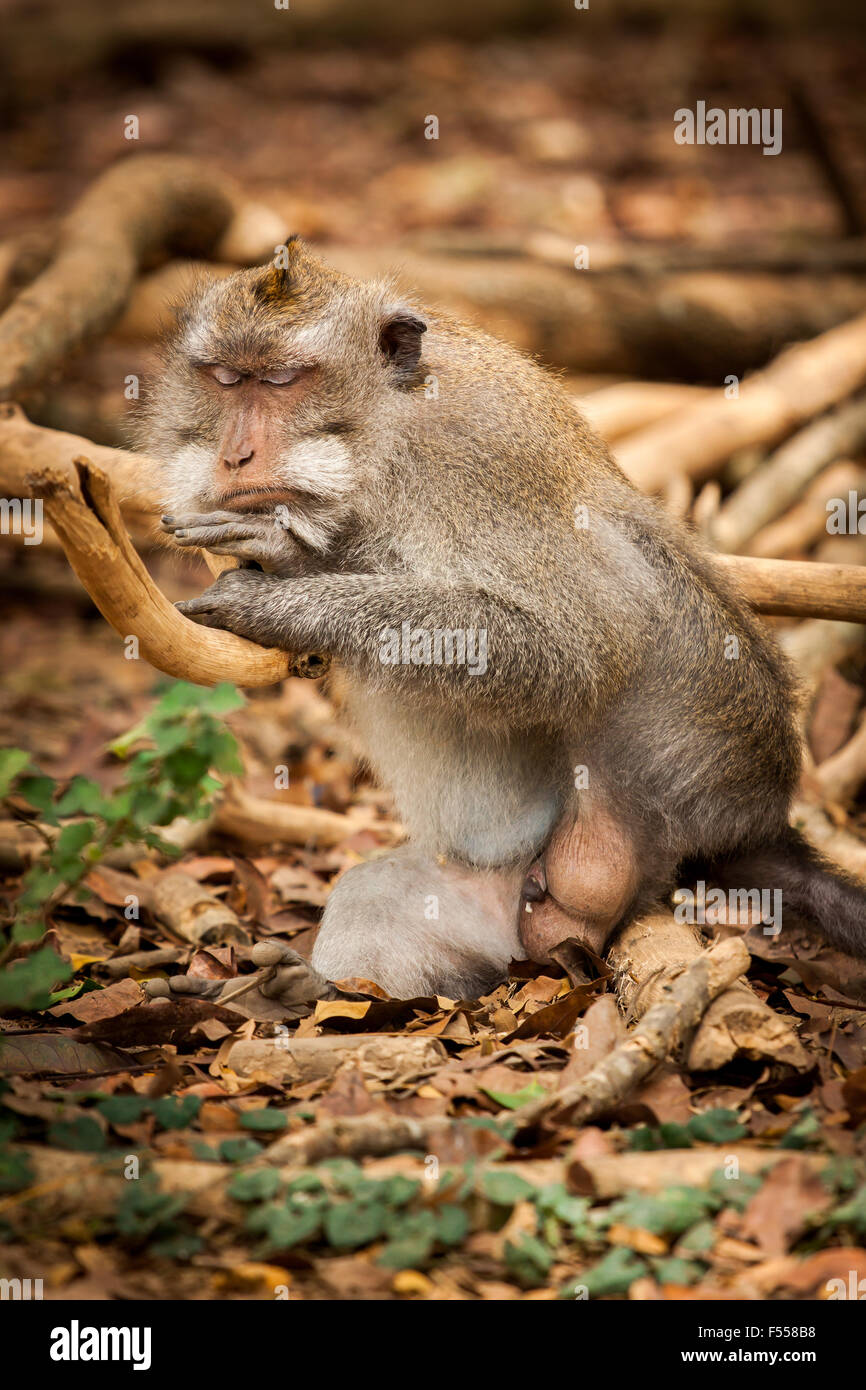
x: 284, y: 984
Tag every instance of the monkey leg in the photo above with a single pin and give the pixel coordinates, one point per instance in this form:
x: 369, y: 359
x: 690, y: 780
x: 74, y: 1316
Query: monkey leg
x: 583, y: 885
x: 416, y: 926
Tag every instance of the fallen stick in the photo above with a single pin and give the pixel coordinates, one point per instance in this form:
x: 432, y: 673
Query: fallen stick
x: 610, y: 1175
x: 287, y: 1060
x: 121, y: 967
x: 359, y: 1136
x: 650, y: 953
x: 141, y: 211
x: 190, y: 911
x: 663, y: 1028
x: 797, y: 530
x: 614, y: 411
x: 257, y: 821
x: 803, y: 381
x: 838, y: 844
x: 91, y: 1186
x: 814, y: 646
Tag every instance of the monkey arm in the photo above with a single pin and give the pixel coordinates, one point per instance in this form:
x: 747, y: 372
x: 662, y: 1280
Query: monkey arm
x: 413, y: 632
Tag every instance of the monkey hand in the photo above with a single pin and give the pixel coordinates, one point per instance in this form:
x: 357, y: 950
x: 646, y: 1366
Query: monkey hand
x: 240, y: 601
x: 253, y: 538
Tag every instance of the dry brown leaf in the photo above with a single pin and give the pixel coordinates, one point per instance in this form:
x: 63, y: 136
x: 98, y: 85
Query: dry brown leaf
x: 101, y: 1003
x: 781, y: 1209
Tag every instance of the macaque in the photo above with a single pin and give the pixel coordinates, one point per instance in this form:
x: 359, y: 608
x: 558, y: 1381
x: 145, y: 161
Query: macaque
x: 568, y: 701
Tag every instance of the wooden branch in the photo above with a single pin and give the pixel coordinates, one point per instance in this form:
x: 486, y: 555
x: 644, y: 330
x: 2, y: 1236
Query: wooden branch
x: 838, y: 844
x: 842, y: 775
x: 799, y: 588
x: 610, y: 1175
x: 360, y: 1136
x: 139, y: 212
x: 816, y: 645
x: 27, y: 449
x: 614, y: 411
x: 805, y: 524
x: 801, y: 382
x: 40, y: 463
x: 380, y: 1055
x: 88, y: 522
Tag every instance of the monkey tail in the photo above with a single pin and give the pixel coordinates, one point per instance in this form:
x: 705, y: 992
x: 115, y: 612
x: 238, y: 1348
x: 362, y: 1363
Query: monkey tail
x: 811, y: 887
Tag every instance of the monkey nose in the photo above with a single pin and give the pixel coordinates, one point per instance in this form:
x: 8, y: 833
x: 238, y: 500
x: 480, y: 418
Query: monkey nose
x: 238, y: 457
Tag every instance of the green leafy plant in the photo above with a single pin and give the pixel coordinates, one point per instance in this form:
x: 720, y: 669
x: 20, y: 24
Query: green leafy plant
x: 710, y: 1127
x: 171, y: 756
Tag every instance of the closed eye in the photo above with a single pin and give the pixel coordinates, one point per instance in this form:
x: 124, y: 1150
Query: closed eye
x: 282, y: 378
x: 226, y: 376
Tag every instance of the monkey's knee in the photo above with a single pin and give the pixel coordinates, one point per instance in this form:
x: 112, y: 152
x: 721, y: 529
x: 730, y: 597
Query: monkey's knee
x: 414, y: 926
x: 587, y: 881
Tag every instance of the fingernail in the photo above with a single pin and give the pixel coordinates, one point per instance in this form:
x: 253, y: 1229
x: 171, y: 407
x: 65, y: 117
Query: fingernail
x: 179, y: 533
x: 167, y: 519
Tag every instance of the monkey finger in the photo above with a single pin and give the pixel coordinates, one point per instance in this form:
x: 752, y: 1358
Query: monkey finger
x: 171, y: 523
x: 204, y: 613
x: 184, y: 984
x: 192, y: 607
x: 210, y: 536
x: 298, y: 984
x: 209, y: 620
x: 251, y: 549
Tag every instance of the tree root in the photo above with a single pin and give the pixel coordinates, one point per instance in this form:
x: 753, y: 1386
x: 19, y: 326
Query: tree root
x: 134, y: 216
x: 649, y: 954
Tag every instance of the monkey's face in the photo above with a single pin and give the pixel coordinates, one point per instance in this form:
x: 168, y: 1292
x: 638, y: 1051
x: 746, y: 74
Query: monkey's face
x: 272, y: 386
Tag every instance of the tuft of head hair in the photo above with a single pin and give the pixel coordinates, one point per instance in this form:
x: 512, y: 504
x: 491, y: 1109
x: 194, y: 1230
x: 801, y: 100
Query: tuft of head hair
x: 277, y: 282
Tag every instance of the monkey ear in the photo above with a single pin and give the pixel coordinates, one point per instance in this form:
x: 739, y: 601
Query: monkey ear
x: 400, y: 341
